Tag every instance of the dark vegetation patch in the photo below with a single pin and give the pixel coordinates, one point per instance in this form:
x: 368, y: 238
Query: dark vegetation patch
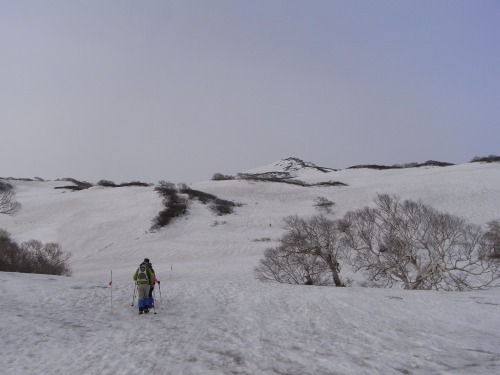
x: 374, y: 166
x: 217, y: 205
x: 285, y: 178
x: 262, y: 239
x: 107, y: 183
x: 267, y: 176
x: 16, y: 178
x: 429, y: 163
x: 222, y: 177
x: 176, y: 205
x: 203, y: 197
x: 327, y: 183
x: 82, y: 185
x: 5, y: 186
x: 33, y: 257
x: 324, y: 204
x: 78, y: 185
x: 486, y: 159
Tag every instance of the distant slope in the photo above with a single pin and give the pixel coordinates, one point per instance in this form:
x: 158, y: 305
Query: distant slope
x: 109, y: 227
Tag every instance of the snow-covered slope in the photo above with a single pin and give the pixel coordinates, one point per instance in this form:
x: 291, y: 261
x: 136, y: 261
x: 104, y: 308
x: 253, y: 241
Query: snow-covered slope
x: 213, y: 316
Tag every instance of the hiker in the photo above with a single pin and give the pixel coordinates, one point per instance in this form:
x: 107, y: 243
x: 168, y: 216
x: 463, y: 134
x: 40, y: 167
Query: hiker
x: 155, y: 280
x: 144, y: 279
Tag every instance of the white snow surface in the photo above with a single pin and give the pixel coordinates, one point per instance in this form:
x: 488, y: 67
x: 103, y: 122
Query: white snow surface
x: 212, y: 316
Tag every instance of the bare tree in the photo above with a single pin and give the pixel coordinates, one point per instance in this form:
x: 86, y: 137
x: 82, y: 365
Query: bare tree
x: 283, y: 266
x: 309, y: 253
x: 490, y: 245
x: 46, y: 258
x: 9, y: 253
x: 33, y: 257
x: 413, y: 245
x: 317, y: 236
x: 7, y: 204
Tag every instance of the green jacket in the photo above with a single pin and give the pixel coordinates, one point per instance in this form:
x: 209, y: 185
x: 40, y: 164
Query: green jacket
x: 150, y: 277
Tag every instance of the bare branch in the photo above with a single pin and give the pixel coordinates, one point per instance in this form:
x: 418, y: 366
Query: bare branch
x: 411, y: 244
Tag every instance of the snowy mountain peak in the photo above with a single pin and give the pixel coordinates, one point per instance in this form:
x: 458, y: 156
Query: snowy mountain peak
x: 291, y: 166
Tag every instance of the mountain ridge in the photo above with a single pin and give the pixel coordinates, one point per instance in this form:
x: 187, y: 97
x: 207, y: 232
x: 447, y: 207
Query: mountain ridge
x: 290, y: 166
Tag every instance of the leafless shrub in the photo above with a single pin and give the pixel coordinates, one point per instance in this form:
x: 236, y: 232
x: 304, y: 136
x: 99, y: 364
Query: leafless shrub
x: 328, y: 183
x: 309, y: 253
x: 428, y: 163
x: 318, y: 237
x: 434, y: 163
x: 106, y: 183
x: 222, y: 177
x: 175, y: 205
x: 217, y: 222
x: 78, y: 185
x: 33, y: 257
x: 282, y: 266
x: 9, y: 253
x: 410, y: 244
x: 222, y: 207
x: 47, y: 258
x: 263, y: 239
x: 375, y: 166
x: 284, y: 178
x: 490, y: 245
x: 202, y: 196
x: 8, y: 205
x: 135, y: 183
x: 324, y: 204
x: 217, y: 205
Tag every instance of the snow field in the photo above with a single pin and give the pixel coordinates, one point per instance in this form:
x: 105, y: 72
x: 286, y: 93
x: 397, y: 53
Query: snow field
x: 61, y: 325
x: 214, y: 317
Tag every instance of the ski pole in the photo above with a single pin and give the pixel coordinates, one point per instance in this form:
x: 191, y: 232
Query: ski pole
x: 159, y: 288
x: 154, y: 309
x: 133, y: 298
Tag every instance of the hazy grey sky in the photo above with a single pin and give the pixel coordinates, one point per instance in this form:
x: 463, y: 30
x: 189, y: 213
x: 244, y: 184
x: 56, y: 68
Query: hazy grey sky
x: 177, y: 90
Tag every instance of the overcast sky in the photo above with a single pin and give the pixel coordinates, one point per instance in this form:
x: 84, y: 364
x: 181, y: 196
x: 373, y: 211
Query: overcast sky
x: 178, y: 90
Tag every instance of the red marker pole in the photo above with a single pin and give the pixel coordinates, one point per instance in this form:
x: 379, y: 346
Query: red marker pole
x: 111, y: 284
